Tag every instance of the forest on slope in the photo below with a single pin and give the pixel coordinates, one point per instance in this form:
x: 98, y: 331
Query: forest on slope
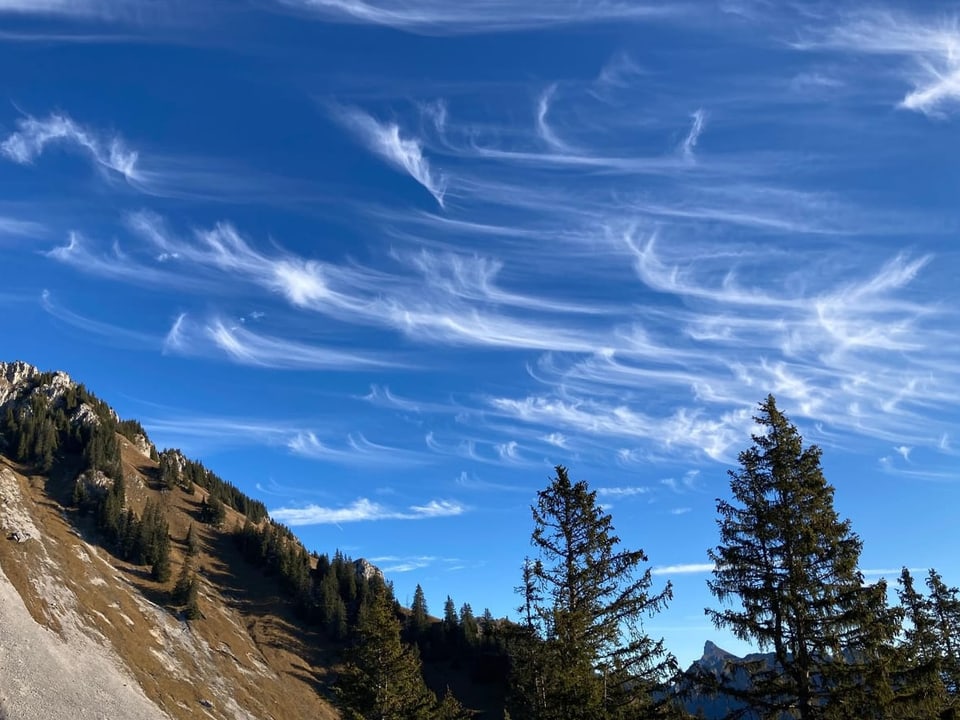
x: 786, y: 579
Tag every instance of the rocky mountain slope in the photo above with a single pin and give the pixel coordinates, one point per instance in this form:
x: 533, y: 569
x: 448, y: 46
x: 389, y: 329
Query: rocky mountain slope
x: 84, y: 634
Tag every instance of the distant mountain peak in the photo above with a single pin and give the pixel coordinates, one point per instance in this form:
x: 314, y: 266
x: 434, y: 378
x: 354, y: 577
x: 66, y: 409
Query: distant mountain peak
x: 712, y: 650
x: 366, y: 569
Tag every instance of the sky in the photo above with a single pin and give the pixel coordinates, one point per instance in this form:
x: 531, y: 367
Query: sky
x: 383, y: 264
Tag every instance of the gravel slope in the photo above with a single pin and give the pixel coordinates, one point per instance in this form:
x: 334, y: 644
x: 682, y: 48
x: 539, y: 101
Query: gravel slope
x: 44, y: 676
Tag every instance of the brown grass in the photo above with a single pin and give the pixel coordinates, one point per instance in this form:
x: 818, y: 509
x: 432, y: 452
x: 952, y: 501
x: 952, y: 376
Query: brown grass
x: 246, y: 656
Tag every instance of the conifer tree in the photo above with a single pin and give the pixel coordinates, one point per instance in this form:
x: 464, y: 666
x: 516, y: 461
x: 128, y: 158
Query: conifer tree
x: 382, y: 678
x: 181, y: 588
x: 419, y: 620
x: 468, y: 627
x: 944, y: 604
x: 791, y: 565
x: 191, y: 609
x: 450, y: 620
x: 451, y: 709
x: 487, y: 628
x: 926, y: 695
x: 192, y: 541
x: 584, y: 599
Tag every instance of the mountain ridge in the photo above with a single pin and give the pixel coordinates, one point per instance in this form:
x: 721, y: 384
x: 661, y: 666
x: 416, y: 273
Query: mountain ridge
x: 254, y: 625
x: 243, y: 658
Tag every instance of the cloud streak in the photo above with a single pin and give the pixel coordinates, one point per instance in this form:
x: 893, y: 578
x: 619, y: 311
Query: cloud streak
x: 103, y: 9
x: 929, y: 48
x: 357, y: 450
x: 436, y: 16
x: 15, y: 227
x: 33, y: 136
x: 683, y: 569
x: 246, y: 347
x: 689, y: 143
x: 404, y: 153
x: 364, y: 510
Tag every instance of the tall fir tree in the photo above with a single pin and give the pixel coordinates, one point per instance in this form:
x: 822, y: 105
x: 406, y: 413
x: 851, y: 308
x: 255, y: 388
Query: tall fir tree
x: 790, y: 564
x: 419, y: 618
x: 469, y: 631
x: 944, y: 605
x: 922, y: 677
x: 382, y: 677
x: 451, y: 623
x: 585, y: 655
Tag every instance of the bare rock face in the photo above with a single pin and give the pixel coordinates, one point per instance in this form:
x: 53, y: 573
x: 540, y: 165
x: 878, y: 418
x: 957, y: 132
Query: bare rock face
x: 95, y: 482
x: 367, y: 570
x: 15, y: 522
x: 13, y: 378
x: 85, y: 415
x: 143, y: 446
x: 177, y: 459
x: 16, y: 376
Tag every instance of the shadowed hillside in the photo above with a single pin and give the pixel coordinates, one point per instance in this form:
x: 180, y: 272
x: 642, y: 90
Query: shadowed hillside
x: 139, y: 581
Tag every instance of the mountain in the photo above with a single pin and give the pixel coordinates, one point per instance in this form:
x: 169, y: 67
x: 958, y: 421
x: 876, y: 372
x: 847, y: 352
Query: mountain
x: 86, y: 633
x: 136, y: 583
x: 712, y: 665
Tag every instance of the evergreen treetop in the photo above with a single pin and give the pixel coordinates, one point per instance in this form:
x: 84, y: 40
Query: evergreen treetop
x: 791, y: 565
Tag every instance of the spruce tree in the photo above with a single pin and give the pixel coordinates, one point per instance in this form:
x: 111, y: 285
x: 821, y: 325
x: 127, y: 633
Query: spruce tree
x: 468, y: 627
x: 191, y: 609
x: 450, y: 621
x: 944, y: 604
x: 382, y: 677
x: 488, y: 627
x: 790, y: 563
x: 419, y: 619
x: 584, y: 600
x: 451, y: 709
x: 192, y: 541
x: 922, y: 676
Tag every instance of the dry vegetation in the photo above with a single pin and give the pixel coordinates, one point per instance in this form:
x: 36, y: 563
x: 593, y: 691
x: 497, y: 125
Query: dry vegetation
x: 244, y: 658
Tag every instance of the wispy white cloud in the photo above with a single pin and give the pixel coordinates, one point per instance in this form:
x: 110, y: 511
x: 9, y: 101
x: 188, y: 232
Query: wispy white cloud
x: 383, y: 397
x: 174, y: 339
x: 929, y: 47
x: 356, y: 450
x: 437, y: 16
x: 404, y: 153
x: 689, y: 143
x: 111, y: 333
x: 246, y: 347
x: 402, y: 564
x: 683, y: 569
x: 169, y: 176
x: 557, y: 440
x: 618, y: 72
x: 903, y: 451
x: 470, y: 481
x: 104, y: 9
x: 544, y: 130
x: 509, y: 451
x: 686, y: 428
x: 686, y: 483
x: 33, y: 136
x: 199, y: 433
x: 204, y: 432
x: 15, y: 227
x: 630, y: 491
x: 459, y: 303
x: 364, y: 510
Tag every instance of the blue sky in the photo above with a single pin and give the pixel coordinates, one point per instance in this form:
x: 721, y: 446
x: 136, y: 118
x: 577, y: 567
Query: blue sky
x: 383, y: 264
